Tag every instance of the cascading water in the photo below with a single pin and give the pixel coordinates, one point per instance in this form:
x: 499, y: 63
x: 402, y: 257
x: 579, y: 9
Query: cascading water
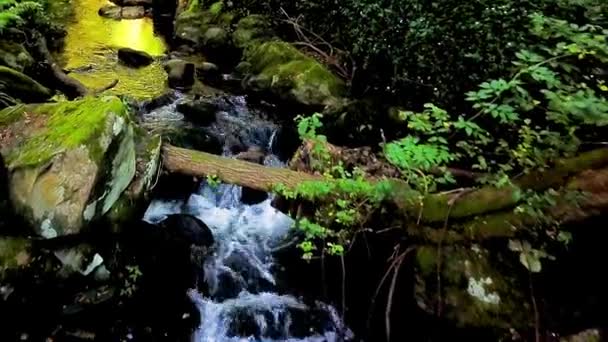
x: 241, y: 300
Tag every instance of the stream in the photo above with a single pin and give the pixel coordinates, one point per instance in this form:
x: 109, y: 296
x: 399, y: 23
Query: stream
x: 238, y: 291
x: 244, y: 302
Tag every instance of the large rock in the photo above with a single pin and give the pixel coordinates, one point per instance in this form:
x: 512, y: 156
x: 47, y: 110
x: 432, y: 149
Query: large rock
x: 180, y: 74
x: 68, y: 162
x: 200, y: 112
x: 478, y: 289
x: 14, y: 56
x: 253, y: 29
x: 282, y: 70
x: 20, y: 86
x: 134, y: 58
x: 208, y: 29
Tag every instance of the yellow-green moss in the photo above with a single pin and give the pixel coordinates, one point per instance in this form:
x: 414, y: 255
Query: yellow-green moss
x: 65, y: 125
x: 290, y: 74
x: 21, y: 86
x: 14, y: 252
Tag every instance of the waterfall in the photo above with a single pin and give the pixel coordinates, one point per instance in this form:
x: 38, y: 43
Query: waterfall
x: 242, y: 301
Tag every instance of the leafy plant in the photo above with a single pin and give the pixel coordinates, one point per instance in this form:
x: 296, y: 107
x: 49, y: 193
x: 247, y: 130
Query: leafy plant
x: 12, y: 11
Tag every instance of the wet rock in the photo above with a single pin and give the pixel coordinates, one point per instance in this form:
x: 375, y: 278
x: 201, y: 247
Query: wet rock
x: 22, y: 87
x: 135, y: 198
x: 279, y: 69
x: 162, y: 100
x: 591, y: 335
x: 200, y: 112
x: 110, y: 11
x: 477, y: 291
x: 216, y: 37
x: 69, y: 162
x: 146, y: 3
x: 134, y: 58
x: 180, y: 74
x: 189, y: 229
x: 209, y: 72
x: 81, y: 259
x: 209, y: 30
x: 133, y: 12
x: 119, y: 12
x: 14, y: 56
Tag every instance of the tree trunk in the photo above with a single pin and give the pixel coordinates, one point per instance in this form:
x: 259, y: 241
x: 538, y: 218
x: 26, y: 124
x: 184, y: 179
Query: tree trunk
x: 232, y: 171
x: 473, y: 213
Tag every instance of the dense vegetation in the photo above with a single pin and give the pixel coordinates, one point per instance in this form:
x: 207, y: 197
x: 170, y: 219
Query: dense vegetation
x: 409, y: 50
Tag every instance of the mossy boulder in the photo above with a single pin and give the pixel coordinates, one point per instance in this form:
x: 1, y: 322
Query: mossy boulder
x: 133, y: 200
x: 253, y: 29
x: 478, y: 289
x: 14, y: 56
x: 20, y: 86
x: 287, y: 73
x: 68, y: 162
x: 200, y: 27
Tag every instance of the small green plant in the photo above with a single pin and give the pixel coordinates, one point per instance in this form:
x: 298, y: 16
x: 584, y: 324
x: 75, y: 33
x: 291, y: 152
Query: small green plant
x: 213, y: 181
x: 133, y: 273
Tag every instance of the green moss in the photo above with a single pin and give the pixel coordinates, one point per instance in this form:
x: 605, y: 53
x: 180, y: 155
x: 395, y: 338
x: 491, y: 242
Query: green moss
x: 253, y: 29
x: 14, y: 252
x: 66, y: 125
x: 193, y: 6
x: 272, y: 53
x: 426, y: 257
x: 11, y: 114
x: 14, y: 56
x: 21, y: 86
x: 216, y: 8
x: 290, y: 74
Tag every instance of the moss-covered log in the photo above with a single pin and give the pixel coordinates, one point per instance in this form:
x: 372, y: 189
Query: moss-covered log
x: 492, y: 208
x: 231, y: 171
x: 436, y: 207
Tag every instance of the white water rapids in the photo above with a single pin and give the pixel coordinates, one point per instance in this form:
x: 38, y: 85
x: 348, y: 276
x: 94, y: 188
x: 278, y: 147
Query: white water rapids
x: 243, y: 301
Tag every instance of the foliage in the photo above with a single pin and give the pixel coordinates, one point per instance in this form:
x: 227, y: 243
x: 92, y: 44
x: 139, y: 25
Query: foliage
x: 344, y: 197
x: 131, y: 280
x: 13, y: 11
x: 551, y: 102
x: 404, y: 49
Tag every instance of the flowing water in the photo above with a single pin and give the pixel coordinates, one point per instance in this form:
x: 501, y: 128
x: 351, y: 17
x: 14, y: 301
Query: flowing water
x: 91, y: 45
x: 243, y: 301
x: 240, y: 299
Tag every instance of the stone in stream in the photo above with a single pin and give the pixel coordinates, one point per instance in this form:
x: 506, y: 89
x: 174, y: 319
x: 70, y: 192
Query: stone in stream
x: 134, y: 58
x: 180, y: 74
x: 200, y: 112
x: 68, y: 162
x: 126, y: 12
x: 146, y: 3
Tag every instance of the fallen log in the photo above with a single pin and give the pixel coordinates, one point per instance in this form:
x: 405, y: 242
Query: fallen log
x: 476, y: 209
x: 232, y: 171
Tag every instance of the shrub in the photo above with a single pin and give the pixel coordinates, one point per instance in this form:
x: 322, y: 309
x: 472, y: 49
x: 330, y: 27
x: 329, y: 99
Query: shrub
x: 412, y: 49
